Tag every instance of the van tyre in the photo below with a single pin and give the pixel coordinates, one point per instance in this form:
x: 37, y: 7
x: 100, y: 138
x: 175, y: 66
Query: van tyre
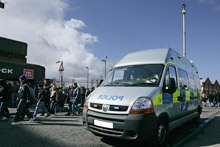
x: 160, y: 135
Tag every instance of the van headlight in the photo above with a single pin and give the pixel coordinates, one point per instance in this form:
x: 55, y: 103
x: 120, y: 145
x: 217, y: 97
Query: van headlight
x: 142, y: 106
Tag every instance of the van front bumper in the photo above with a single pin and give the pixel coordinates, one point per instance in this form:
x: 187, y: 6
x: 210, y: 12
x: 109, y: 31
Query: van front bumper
x: 129, y: 127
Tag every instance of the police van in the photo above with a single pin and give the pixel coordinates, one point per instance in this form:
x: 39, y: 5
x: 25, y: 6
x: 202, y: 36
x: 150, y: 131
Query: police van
x: 146, y: 95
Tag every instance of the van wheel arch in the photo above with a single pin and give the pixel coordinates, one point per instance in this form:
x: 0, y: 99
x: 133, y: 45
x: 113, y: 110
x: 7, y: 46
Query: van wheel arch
x: 164, y: 116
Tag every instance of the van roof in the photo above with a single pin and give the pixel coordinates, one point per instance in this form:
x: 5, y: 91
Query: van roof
x: 157, y: 56
x: 152, y: 56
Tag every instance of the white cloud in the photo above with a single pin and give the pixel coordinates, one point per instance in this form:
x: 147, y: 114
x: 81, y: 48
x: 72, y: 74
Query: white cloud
x: 51, y: 38
x: 214, y: 3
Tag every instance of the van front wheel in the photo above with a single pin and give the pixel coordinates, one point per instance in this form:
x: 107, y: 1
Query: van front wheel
x: 160, y: 135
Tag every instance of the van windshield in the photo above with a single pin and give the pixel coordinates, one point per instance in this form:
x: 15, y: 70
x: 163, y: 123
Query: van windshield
x: 135, y: 75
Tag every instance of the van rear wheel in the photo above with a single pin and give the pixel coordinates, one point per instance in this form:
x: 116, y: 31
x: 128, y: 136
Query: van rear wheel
x: 196, y: 120
x: 160, y: 135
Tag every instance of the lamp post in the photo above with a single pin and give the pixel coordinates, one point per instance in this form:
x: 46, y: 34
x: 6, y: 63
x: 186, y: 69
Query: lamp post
x: 184, y: 30
x: 105, y: 65
x: 87, y: 77
x: 61, y: 69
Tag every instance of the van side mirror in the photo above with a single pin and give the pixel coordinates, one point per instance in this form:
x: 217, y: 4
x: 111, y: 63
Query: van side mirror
x: 170, y: 86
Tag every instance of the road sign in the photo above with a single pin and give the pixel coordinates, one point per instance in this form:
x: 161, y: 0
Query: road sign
x: 61, y: 67
x: 2, y: 5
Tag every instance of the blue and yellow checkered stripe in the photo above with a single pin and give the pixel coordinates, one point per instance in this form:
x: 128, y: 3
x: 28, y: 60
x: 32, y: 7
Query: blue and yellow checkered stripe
x: 166, y: 98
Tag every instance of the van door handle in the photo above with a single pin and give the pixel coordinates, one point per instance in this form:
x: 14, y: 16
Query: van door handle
x: 180, y: 98
x: 192, y: 97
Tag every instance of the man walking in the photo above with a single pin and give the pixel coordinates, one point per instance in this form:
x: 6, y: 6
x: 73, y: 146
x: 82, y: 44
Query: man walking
x: 70, y: 101
x: 41, y: 99
x: 47, y: 99
x: 4, y: 98
x: 74, y: 100
x: 23, y: 93
x: 77, y: 97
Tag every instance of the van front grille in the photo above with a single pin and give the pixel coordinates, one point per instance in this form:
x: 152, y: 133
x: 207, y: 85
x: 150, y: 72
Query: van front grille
x: 111, y: 108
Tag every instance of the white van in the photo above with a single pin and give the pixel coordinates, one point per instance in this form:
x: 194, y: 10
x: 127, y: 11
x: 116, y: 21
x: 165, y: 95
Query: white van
x: 146, y: 94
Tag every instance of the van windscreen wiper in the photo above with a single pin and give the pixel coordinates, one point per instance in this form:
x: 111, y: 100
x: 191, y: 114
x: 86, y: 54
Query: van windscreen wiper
x: 129, y: 84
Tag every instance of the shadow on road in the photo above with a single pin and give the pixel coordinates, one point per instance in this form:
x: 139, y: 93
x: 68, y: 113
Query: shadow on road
x: 173, y: 137
x: 18, y: 136
x: 207, y: 136
x: 119, y: 143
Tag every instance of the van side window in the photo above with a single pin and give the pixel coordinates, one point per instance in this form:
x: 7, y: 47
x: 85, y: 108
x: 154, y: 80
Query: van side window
x: 171, y: 73
x: 183, y: 79
x: 197, y: 83
x: 191, y: 82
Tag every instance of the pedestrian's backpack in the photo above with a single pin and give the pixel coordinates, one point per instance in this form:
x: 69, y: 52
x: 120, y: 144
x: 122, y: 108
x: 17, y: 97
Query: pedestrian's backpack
x: 32, y: 95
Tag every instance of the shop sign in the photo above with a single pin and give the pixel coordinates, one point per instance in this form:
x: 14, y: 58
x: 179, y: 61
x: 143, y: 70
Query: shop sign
x: 29, y: 73
x: 6, y: 71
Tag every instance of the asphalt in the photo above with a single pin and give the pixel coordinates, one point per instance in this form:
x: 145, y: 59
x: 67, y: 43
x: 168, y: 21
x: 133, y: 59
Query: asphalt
x: 208, y: 134
x: 204, y: 134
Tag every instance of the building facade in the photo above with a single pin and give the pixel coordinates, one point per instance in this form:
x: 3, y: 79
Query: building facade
x: 13, y: 62
x: 209, y: 88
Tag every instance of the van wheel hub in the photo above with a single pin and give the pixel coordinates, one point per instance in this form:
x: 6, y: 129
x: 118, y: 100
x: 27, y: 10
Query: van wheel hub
x: 161, y: 134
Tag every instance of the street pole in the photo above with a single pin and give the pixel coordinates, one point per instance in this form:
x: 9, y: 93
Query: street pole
x: 184, y: 31
x: 87, y: 77
x: 61, y: 69
x: 61, y: 75
x: 105, y: 65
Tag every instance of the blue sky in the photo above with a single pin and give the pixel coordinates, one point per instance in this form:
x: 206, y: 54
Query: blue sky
x: 125, y: 26
x: 82, y: 32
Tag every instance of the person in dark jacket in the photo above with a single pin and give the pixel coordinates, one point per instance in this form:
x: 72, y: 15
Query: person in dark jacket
x: 47, y: 98
x: 62, y: 99
x: 82, y: 95
x: 30, y: 101
x: 218, y: 99
x: 77, y: 98
x: 41, y: 99
x: 4, y: 99
x: 211, y: 98
x: 24, y: 95
x: 70, y: 101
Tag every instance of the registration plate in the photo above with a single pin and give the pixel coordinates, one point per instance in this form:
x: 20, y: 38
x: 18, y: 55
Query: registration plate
x: 103, y: 124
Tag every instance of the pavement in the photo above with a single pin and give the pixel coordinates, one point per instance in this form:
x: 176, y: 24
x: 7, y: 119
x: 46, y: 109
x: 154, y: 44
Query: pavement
x: 12, y: 110
x: 208, y: 112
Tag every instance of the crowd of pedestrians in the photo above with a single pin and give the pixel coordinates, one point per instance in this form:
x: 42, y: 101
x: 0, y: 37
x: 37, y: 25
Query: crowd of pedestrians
x: 211, y: 100
x: 50, y: 99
